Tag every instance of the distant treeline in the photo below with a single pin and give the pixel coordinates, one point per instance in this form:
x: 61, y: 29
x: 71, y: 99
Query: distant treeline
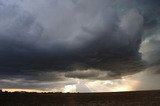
x: 1, y: 91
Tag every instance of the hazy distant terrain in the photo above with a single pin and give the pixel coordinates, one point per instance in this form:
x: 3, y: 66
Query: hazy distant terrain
x: 140, y: 98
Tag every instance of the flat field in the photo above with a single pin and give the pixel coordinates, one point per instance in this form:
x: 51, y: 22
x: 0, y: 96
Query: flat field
x: 136, y: 98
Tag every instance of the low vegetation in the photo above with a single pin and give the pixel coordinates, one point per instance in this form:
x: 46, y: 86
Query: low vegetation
x: 139, y: 98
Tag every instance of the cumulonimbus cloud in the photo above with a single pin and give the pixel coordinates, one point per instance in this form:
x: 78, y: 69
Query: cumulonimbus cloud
x: 67, y: 35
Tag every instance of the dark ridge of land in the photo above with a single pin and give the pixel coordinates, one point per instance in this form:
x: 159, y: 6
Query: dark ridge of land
x: 136, y: 98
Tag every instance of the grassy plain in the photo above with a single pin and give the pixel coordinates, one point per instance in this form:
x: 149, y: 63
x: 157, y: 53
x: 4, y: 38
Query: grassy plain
x: 136, y: 98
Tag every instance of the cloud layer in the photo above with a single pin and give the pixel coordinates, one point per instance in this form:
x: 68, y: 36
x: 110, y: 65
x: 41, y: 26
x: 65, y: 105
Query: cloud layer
x: 89, y: 39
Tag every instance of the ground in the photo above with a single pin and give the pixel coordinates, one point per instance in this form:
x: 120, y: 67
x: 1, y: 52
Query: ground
x: 138, y: 98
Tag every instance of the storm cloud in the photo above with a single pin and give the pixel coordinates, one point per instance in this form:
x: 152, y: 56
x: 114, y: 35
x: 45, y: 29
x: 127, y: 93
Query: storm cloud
x: 53, y: 40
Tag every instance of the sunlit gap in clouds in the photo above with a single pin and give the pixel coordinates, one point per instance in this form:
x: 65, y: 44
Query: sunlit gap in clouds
x: 127, y: 83
x: 140, y: 81
x: 124, y: 84
x: 143, y: 80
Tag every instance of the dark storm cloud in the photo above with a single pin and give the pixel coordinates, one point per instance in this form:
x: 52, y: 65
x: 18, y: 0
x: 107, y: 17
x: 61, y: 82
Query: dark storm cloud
x: 33, y: 84
x: 57, y: 36
x: 151, y: 39
x: 93, y: 74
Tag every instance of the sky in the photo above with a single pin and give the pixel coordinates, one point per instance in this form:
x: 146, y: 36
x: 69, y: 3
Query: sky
x: 79, y: 45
